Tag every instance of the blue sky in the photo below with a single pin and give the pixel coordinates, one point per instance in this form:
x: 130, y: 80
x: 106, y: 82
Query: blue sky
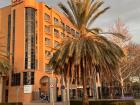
x: 127, y: 10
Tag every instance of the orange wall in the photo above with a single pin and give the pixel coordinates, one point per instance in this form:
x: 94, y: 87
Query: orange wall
x: 40, y: 37
x: 19, y: 38
x: 19, y: 51
x: 40, y: 46
x: 4, y: 12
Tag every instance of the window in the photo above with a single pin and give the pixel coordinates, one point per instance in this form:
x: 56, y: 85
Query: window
x: 56, y: 21
x: 73, y: 32
x: 68, y: 29
x: 15, y: 79
x: 47, y: 42
x: 47, y: 29
x: 36, y: 38
x: 47, y: 67
x: 36, y: 63
x: 13, y: 39
x: 56, y: 44
x: 30, y: 36
x: 46, y: 17
x: 9, y: 35
x: 62, y: 35
x: 116, y: 84
x: 56, y: 32
x: 7, y: 82
x: 47, y: 54
x: 28, y: 78
x: 77, y: 33
x: 63, y: 25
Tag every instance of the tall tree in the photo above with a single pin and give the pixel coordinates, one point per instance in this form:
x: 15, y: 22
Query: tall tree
x: 83, y: 54
x: 120, y: 27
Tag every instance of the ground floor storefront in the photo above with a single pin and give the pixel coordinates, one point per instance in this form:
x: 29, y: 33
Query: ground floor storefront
x: 39, y: 86
x: 28, y: 87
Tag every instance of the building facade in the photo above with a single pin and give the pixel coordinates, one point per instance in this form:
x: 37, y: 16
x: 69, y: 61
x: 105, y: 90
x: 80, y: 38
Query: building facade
x: 33, y: 32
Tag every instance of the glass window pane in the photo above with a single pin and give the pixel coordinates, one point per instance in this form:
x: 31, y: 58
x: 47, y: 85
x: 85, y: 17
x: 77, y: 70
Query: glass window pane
x: 56, y: 33
x: 46, y: 17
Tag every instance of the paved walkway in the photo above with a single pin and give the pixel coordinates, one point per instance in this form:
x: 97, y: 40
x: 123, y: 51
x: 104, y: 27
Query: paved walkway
x: 59, y: 103
x: 137, y: 103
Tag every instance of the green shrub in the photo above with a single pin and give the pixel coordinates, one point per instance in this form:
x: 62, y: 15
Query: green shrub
x: 105, y: 102
x: 19, y: 103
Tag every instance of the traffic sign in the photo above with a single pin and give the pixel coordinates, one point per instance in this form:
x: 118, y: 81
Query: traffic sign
x: 51, y: 85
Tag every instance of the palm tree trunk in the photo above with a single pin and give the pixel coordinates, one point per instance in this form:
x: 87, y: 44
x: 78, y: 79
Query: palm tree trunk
x: 64, y: 93
x: 98, y: 84
x: 110, y: 90
x: 85, y: 97
x: 76, y: 90
x: 1, y: 88
x: 68, y: 93
x: 122, y: 88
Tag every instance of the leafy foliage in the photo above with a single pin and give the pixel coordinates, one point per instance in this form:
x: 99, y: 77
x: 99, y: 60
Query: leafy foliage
x: 4, y: 61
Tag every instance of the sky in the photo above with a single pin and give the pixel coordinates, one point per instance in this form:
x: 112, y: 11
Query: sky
x: 127, y: 10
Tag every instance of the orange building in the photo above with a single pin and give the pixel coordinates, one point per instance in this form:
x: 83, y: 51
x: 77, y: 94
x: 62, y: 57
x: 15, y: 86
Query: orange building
x: 33, y: 32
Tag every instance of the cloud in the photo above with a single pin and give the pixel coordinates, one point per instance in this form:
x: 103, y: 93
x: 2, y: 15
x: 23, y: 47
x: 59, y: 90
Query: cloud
x: 4, y: 3
x: 127, y: 10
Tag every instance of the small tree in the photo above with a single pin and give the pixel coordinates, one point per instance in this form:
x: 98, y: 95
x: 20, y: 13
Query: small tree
x: 128, y: 66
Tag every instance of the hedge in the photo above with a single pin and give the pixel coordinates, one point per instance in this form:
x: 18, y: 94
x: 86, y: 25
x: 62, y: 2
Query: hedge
x: 105, y: 102
x: 19, y: 103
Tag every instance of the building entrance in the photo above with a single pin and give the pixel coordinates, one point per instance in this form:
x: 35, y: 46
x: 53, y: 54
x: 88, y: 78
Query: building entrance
x: 6, y: 95
x: 44, y: 90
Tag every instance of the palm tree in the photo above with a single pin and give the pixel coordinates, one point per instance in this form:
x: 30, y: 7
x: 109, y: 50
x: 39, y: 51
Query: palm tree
x: 90, y: 50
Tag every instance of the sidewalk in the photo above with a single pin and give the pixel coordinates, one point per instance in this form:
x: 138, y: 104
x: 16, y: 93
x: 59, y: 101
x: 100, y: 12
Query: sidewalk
x: 137, y: 103
x: 57, y: 103
x: 60, y: 103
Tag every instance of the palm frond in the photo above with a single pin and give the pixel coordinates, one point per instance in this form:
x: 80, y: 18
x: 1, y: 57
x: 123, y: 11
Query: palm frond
x: 119, y: 35
x: 97, y: 15
x: 67, y: 13
x: 95, y: 30
x: 91, y: 47
x: 4, y: 67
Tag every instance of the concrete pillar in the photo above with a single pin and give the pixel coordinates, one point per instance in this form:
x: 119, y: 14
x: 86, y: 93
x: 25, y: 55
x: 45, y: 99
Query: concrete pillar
x: 63, y: 91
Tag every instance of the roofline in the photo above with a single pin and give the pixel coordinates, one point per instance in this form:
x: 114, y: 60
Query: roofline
x: 5, y: 6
